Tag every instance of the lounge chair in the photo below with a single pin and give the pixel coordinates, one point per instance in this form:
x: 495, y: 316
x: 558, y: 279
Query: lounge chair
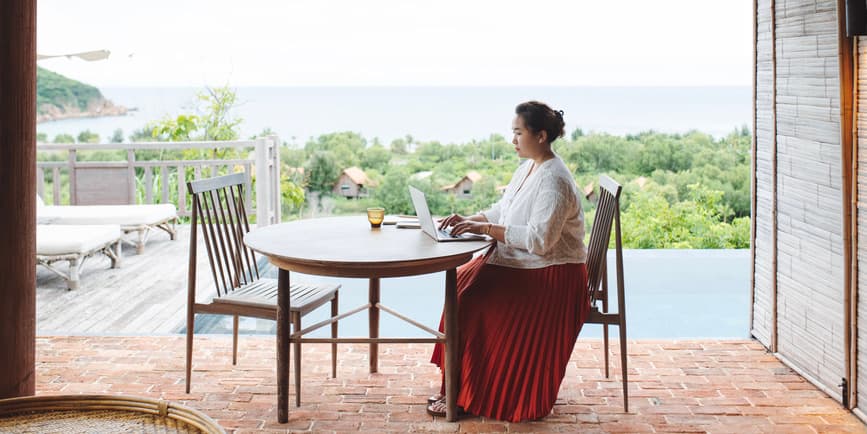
x: 131, y: 218
x: 76, y: 243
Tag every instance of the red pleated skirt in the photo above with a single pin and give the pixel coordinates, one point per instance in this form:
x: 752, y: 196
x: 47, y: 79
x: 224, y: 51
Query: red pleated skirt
x: 517, y: 329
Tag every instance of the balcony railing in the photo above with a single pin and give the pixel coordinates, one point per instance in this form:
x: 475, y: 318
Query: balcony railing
x: 132, y: 181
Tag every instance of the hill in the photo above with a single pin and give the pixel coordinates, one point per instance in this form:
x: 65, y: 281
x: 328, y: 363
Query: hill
x: 59, y: 97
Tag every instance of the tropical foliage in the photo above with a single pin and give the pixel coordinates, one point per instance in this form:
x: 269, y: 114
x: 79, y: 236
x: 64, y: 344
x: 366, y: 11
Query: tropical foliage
x: 680, y: 190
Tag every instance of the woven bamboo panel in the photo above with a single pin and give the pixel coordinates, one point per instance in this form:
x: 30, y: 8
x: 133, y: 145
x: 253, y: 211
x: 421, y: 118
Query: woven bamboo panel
x: 762, y: 307
x: 861, y: 126
x: 810, y: 269
x: 798, y: 96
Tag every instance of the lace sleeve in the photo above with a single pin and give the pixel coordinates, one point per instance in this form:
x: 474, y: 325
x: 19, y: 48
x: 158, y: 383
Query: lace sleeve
x: 493, y: 214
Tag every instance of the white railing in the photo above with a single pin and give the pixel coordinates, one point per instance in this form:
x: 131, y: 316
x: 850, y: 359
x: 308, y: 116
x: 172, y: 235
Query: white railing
x: 131, y: 181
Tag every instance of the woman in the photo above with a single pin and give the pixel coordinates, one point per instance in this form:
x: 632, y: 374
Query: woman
x: 522, y: 304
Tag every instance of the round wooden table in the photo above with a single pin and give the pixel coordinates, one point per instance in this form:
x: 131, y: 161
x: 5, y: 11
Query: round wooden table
x: 349, y: 247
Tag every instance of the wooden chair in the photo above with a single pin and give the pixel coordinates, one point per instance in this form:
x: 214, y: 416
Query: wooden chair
x: 607, y: 212
x: 218, y: 205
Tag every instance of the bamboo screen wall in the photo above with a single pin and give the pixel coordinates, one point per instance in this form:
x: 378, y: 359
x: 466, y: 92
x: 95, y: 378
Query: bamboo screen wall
x: 862, y: 221
x: 799, y: 270
x: 764, y: 224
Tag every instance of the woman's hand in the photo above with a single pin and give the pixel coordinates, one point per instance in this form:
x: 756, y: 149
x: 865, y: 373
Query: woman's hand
x: 451, y: 220
x: 470, y: 226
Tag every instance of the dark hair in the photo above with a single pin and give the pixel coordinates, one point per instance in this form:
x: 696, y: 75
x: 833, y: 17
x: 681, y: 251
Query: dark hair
x: 538, y: 117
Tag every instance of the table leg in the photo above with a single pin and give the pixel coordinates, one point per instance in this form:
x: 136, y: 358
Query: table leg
x: 283, y: 332
x: 453, y: 350
x: 373, y: 316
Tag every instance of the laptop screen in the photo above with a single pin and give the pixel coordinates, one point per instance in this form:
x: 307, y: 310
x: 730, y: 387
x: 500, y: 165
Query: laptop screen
x: 422, y: 212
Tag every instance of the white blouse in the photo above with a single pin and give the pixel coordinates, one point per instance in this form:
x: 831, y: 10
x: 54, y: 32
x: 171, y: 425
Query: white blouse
x: 544, y: 220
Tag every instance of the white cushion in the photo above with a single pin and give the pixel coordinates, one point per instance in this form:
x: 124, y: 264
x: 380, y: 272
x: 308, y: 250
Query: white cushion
x: 67, y: 239
x: 124, y: 215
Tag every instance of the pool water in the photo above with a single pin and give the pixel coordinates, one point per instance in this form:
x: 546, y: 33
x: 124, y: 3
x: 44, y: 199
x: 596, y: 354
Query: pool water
x: 669, y: 294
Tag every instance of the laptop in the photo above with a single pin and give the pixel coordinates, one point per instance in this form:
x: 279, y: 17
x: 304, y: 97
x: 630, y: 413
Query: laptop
x: 427, y: 222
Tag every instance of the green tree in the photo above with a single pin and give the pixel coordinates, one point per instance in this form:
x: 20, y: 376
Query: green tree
x: 431, y: 152
x: 344, y: 140
x: 88, y: 136
x: 697, y: 223
x: 117, y: 136
x: 214, y: 121
x: 600, y: 153
x: 322, y: 172
x: 576, y: 134
x: 267, y: 131
x: 183, y: 128
x: 144, y: 134
x: 64, y: 138
x: 485, y: 194
x: 660, y: 152
x: 376, y: 157
x: 345, y: 148
x: 41, y: 137
x: 392, y: 193
x: 398, y: 146
x: 499, y: 146
x: 293, y: 197
x: 344, y: 156
x: 292, y: 157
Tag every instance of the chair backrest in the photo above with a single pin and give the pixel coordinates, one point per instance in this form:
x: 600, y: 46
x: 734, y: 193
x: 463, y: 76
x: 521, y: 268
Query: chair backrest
x: 218, y: 206
x: 607, y: 211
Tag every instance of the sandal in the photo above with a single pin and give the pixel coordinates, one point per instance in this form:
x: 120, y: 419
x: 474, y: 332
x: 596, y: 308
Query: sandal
x: 438, y: 409
x: 434, y: 398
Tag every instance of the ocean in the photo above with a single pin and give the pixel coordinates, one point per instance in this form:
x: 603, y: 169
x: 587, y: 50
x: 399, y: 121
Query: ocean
x: 445, y: 114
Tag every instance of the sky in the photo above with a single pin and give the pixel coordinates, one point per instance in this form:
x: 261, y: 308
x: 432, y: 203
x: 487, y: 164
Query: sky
x: 401, y: 42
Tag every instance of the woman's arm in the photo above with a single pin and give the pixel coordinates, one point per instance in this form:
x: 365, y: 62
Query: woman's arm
x: 544, y: 227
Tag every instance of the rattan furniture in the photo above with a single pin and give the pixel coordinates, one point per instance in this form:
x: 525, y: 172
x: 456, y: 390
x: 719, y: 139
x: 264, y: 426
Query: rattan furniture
x: 73, y: 414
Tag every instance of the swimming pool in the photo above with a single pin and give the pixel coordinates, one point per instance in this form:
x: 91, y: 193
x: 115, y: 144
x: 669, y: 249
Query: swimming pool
x: 669, y: 294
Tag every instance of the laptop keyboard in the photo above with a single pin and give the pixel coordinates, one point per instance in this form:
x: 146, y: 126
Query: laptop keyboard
x: 447, y: 233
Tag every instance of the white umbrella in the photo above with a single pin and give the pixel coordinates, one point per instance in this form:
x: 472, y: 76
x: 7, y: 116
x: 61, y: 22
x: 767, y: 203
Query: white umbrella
x: 89, y: 56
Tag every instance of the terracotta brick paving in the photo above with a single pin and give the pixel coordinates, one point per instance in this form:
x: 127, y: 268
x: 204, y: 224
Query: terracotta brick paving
x: 675, y: 386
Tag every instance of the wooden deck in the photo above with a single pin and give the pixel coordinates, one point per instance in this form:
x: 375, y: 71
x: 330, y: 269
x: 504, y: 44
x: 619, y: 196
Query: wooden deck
x: 147, y: 295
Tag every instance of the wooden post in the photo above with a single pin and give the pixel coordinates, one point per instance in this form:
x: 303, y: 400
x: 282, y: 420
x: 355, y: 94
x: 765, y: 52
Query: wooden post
x: 18, y: 193
x: 774, y: 227
x: 373, y: 320
x: 846, y: 64
x: 853, y: 291
x: 283, y: 332
x: 453, y: 349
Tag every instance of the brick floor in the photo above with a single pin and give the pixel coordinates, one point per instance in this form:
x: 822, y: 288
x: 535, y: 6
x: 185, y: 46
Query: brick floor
x: 675, y: 386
